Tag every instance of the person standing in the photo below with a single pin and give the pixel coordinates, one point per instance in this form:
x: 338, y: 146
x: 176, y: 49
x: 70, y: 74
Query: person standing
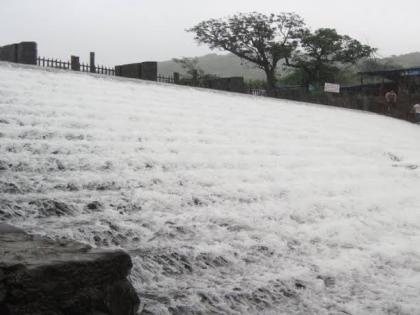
x: 391, y: 100
x: 415, y: 113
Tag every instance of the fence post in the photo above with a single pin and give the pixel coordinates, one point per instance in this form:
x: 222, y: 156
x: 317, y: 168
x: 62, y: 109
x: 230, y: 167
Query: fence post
x: 195, y: 77
x: 176, y: 77
x: 75, y: 63
x: 92, y: 62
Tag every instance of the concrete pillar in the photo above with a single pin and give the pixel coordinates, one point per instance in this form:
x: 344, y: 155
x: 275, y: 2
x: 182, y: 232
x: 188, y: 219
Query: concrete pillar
x: 144, y: 70
x: 220, y: 84
x: 195, y: 77
x: 75, y: 63
x: 236, y: 84
x: 9, y: 53
x: 176, y: 77
x: 149, y: 71
x: 27, y: 53
x: 24, y: 52
x: 132, y: 70
x: 118, y: 71
x: 92, y: 62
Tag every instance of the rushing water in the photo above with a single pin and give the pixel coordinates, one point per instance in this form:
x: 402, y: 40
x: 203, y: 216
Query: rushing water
x: 227, y: 204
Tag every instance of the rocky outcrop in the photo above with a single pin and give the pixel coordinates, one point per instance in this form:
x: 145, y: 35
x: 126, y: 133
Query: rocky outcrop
x: 39, y: 276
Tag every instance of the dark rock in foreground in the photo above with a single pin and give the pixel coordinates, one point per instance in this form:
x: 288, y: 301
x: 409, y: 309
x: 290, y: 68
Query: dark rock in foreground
x: 39, y: 276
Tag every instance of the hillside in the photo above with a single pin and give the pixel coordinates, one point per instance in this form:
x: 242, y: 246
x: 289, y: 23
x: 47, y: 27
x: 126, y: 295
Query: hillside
x: 227, y: 203
x: 229, y: 65
x: 406, y: 60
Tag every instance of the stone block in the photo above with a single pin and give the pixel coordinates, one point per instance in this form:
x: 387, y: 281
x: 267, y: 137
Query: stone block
x: 75, y: 63
x: 24, y: 52
x: 132, y: 70
x: 41, y: 276
x: 144, y: 70
x: 236, y: 84
x: 149, y: 71
x: 27, y: 53
x: 9, y: 53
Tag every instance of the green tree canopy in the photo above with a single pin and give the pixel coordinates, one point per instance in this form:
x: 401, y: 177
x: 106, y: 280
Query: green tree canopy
x: 190, y: 66
x: 322, y: 52
x: 258, y: 38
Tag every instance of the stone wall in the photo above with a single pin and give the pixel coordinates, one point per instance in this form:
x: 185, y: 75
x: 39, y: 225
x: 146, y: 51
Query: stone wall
x: 62, y: 277
x: 9, y: 53
x: 148, y: 70
x: 24, y: 52
x: 143, y: 70
x: 368, y: 102
x: 232, y: 84
x: 132, y: 70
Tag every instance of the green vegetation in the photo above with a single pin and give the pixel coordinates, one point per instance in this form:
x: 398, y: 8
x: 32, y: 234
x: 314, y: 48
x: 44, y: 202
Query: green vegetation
x: 323, y: 54
x: 196, y: 75
x: 261, y: 39
x: 229, y: 65
x: 266, y: 40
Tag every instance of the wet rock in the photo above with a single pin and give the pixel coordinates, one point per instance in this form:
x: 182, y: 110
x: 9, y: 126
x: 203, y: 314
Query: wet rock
x: 94, y: 206
x: 71, y: 136
x: 205, y: 260
x: 328, y: 281
x: 174, y: 263
x: 60, y: 165
x: 9, y: 188
x: 263, y: 250
x: 121, y: 298
x: 48, y: 207
x: 108, y: 165
x: 66, y: 187
x: 126, y: 207
x: 184, y: 310
x: 197, y: 202
x: 4, y: 165
x: 299, y: 284
x: 394, y: 157
x: 9, y: 210
x: 113, y: 226
x: 40, y: 276
x: 72, y: 187
x: 103, y: 186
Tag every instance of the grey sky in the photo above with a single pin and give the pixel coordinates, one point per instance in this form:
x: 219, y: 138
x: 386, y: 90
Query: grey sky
x: 122, y: 31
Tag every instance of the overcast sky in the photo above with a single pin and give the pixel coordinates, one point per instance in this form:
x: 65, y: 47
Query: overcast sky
x: 122, y: 31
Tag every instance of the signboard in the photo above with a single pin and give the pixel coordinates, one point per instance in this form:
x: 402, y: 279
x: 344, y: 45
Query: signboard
x: 332, y: 88
x: 412, y: 72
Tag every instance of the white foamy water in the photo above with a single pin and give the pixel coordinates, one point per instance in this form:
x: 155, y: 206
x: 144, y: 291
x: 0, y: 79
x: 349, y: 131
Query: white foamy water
x: 228, y: 204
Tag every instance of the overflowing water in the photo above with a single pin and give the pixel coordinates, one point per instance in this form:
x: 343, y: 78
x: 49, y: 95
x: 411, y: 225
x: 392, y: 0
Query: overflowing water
x: 228, y: 204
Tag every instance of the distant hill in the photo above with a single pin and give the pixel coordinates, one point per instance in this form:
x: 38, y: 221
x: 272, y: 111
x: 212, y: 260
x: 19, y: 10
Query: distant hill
x: 406, y: 60
x: 228, y: 65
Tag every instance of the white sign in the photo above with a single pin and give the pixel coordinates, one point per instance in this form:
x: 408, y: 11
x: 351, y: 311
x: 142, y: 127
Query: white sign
x: 332, y: 88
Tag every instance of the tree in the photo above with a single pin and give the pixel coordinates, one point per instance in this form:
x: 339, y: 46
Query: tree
x: 323, y: 52
x: 258, y: 38
x: 191, y: 67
